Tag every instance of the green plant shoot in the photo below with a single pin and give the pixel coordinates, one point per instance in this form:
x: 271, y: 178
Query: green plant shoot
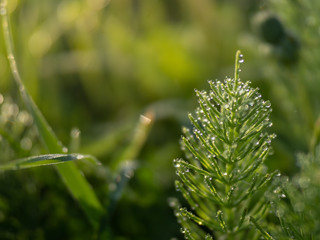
x: 223, y: 177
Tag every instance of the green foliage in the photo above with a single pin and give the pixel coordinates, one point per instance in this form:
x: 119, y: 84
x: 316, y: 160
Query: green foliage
x: 72, y: 177
x: 294, y: 78
x: 224, y: 178
x: 95, y: 65
x: 295, y: 202
x: 74, y: 180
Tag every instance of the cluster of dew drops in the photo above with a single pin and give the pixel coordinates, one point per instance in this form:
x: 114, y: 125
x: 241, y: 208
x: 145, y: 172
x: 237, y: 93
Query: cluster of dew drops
x: 244, y: 90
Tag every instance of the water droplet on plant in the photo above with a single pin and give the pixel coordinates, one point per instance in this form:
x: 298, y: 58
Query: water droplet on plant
x: 241, y: 60
x: 277, y: 190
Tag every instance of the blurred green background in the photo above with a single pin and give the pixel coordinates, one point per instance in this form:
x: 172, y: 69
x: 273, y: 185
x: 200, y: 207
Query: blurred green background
x: 96, y: 65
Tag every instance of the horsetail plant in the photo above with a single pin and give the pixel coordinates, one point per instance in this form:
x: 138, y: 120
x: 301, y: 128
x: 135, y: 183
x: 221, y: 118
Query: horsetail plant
x: 224, y: 178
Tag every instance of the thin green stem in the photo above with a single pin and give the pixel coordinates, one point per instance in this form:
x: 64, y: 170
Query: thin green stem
x: 9, y: 46
x: 237, y: 64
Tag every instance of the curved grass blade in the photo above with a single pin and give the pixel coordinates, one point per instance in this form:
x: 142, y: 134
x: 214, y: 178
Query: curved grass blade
x: 70, y: 174
x: 44, y: 160
x: 139, y: 137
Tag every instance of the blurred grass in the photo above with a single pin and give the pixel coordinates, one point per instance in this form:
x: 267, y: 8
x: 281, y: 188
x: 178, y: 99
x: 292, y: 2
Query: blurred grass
x: 97, y: 65
x: 74, y: 180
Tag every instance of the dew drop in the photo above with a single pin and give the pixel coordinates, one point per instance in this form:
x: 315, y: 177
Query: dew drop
x: 176, y: 164
x: 241, y: 60
x: 283, y: 195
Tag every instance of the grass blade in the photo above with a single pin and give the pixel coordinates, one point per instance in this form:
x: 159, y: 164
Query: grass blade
x: 138, y: 139
x: 43, y: 160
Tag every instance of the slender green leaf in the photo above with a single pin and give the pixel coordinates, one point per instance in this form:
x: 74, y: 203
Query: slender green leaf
x: 265, y: 234
x: 43, y: 160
